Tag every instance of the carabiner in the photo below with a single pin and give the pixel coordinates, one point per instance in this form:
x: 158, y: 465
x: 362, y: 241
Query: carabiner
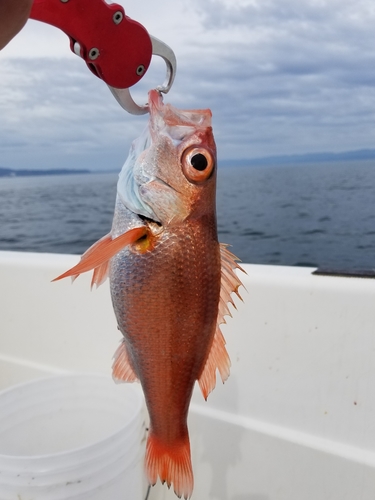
x: 124, y: 97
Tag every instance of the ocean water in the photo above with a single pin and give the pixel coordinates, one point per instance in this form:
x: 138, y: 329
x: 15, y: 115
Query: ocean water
x: 298, y: 215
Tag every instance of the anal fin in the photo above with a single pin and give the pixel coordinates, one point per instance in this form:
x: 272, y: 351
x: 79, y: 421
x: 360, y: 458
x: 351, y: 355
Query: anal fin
x: 218, y: 358
x: 121, y: 368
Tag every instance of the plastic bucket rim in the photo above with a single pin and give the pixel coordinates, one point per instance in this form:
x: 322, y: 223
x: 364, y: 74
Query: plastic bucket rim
x: 79, y: 448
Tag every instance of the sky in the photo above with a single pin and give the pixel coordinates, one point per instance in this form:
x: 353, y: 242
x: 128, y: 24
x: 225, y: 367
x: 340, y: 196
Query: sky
x: 281, y: 77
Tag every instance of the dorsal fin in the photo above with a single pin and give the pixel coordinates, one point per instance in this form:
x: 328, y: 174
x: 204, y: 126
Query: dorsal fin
x: 218, y: 357
x: 230, y: 282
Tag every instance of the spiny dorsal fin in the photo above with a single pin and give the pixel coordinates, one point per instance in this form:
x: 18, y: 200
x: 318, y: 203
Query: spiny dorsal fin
x: 230, y: 282
x: 218, y: 357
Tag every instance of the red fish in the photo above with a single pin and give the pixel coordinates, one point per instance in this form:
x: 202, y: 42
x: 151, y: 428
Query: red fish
x: 170, y: 279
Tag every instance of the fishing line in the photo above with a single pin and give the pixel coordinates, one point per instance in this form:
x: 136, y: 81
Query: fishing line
x: 149, y: 486
x: 148, y: 492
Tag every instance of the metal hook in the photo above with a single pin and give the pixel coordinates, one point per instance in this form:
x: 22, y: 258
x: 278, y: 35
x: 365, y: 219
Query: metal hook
x: 124, y: 97
x: 161, y: 49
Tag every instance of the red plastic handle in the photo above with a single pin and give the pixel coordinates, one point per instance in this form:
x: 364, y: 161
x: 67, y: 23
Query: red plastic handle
x: 115, y: 48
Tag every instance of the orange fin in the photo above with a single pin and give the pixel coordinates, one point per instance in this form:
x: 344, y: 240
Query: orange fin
x: 101, y: 252
x: 218, y: 358
x: 121, y: 368
x: 230, y: 282
x: 171, y: 463
x: 100, y: 274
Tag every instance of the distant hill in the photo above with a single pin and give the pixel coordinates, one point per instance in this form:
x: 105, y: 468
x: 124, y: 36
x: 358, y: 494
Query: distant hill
x: 11, y: 172
x: 359, y: 155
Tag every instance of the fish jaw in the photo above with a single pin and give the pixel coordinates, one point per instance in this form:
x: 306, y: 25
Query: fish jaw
x: 177, y: 123
x: 173, y: 132
x: 153, y: 182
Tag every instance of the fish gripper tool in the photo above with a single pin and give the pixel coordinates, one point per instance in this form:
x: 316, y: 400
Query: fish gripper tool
x: 116, y: 49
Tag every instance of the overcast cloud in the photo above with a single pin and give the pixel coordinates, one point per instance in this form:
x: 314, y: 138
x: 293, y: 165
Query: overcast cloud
x: 281, y: 77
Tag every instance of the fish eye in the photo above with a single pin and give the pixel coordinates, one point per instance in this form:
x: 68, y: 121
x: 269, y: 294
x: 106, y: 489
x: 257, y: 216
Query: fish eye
x: 197, y: 163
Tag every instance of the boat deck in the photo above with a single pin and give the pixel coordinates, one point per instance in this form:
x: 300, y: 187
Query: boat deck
x: 295, y: 420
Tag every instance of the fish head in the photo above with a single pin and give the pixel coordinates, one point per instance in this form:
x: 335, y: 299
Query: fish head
x: 170, y: 174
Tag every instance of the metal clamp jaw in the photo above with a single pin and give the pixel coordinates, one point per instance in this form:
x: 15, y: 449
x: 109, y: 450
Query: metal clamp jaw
x: 115, y: 48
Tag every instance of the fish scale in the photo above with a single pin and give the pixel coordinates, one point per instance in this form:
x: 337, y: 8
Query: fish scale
x: 163, y: 311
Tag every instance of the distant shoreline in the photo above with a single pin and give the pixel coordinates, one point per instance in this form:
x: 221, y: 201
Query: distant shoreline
x: 10, y: 172
x: 361, y: 155
x: 312, y: 158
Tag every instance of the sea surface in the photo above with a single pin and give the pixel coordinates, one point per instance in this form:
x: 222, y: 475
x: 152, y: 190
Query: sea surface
x: 297, y: 215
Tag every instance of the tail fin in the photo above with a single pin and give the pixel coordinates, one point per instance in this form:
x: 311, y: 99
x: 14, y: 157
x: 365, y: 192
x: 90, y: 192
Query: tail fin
x: 171, y: 463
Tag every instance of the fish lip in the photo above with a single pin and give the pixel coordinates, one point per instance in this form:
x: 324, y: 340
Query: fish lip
x: 148, y: 220
x: 153, y: 225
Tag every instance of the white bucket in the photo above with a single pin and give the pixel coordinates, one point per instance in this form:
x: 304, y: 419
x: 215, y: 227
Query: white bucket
x: 71, y: 437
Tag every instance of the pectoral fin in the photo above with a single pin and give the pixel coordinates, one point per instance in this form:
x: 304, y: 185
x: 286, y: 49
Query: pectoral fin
x: 99, y: 254
x: 100, y: 274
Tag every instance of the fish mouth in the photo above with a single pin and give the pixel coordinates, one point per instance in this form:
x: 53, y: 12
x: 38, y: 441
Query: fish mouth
x: 153, y: 224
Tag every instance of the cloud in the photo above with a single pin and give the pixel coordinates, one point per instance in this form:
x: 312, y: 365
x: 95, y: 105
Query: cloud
x: 297, y: 76
x: 52, y: 110
x: 280, y: 77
